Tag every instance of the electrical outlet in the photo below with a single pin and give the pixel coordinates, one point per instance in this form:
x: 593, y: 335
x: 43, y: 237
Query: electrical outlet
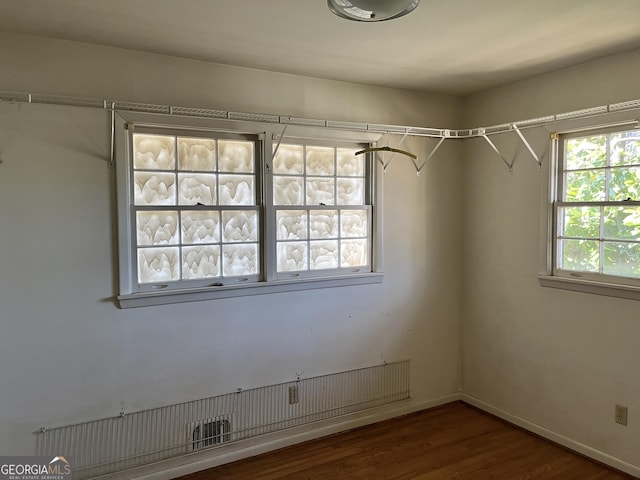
x: 621, y: 414
x: 293, y: 394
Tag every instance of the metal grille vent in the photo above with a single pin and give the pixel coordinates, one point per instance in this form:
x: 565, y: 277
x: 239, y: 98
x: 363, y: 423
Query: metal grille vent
x: 208, y: 433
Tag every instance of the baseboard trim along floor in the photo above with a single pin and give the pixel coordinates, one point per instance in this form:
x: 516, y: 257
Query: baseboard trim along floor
x: 554, y: 437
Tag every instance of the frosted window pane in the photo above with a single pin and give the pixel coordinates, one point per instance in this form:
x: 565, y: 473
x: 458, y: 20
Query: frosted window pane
x: 235, y: 156
x: 323, y: 254
x: 320, y: 191
x: 350, y: 191
x: 323, y: 224
x: 353, y: 223
x: 239, y: 226
x: 292, y: 256
x: 354, y: 253
x: 200, y: 262
x: 236, y: 190
x: 291, y: 224
x: 197, y: 154
x: 154, y: 188
x: 158, y: 264
x: 287, y: 190
x: 157, y: 228
x: 289, y: 160
x: 153, y: 152
x: 349, y: 164
x: 240, y: 259
x: 200, y: 227
x: 320, y: 161
x: 196, y: 189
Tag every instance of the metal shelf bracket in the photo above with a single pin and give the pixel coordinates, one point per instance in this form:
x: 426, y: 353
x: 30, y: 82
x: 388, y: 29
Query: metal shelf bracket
x: 446, y: 134
x: 515, y: 128
x: 482, y: 133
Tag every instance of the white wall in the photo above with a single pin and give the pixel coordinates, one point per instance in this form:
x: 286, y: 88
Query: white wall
x: 67, y: 354
x: 557, y: 359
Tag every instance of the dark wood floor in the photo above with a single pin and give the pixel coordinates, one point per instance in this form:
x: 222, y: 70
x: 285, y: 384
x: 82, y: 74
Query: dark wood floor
x: 454, y: 441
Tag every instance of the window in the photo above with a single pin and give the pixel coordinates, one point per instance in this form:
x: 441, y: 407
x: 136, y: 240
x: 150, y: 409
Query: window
x: 597, y: 211
x: 194, y: 203
x: 323, y: 222
x: 216, y: 212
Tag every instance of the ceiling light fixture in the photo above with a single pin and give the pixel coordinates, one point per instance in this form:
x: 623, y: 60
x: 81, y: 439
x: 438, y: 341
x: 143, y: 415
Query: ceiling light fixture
x: 371, y: 10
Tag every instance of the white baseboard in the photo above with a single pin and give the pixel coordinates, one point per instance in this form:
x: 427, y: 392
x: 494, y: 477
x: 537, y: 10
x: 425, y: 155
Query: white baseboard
x: 555, y: 437
x: 196, y: 462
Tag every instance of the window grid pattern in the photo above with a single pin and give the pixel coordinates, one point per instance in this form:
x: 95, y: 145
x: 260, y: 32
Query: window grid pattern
x: 598, y: 215
x: 323, y: 221
x: 194, y: 208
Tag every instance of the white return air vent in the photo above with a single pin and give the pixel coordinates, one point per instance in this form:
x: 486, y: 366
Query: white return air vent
x: 208, y: 433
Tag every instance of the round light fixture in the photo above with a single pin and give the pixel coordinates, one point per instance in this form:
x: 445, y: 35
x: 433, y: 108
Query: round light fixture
x: 371, y: 10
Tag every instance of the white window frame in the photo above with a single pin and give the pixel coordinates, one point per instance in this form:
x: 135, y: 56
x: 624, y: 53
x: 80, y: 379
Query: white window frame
x: 550, y: 275
x: 130, y: 293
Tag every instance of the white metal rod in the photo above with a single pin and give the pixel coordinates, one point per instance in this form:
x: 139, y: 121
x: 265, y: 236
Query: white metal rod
x: 275, y: 151
x: 495, y: 149
x: 526, y: 144
x: 431, y: 154
x: 113, y: 139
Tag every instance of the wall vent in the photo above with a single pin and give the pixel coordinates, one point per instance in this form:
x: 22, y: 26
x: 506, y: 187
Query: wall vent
x: 208, y: 433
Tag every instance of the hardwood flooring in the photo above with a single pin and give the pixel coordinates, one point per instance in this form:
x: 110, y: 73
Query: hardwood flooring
x: 454, y: 441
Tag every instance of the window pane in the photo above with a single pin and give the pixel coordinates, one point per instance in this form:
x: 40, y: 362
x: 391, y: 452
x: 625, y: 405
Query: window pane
x: 323, y: 224
x: 625, y: 148
x: 200, y: 227
x: 239, y: 259
x: 320, y: 161
x: 354, y: 253
x: 585, y: 186
x: 622, y: 223
x: 154, y: 188
x: 585, y: 152
x: 625, y: 183
x: 323, y: 254
x: 236, y: 190
x: 622, y: 259
x: 287, y: 190
x: 349, y: 164
x: 197, y: 154
x: 580, y: 222
x: 196, y: 189
x: 292, y: 256
x: 320, y: 191
x: 289, y: 160
x: 353, y: 223
x: 157, y: 228
x: 158, y: 265
x: 200, y: 262
x: 239, y: 226
x: 153, y: 152
x: 235, y: 156
x: 580, y: 255
x: 350, y: 191
x: 291, y: 224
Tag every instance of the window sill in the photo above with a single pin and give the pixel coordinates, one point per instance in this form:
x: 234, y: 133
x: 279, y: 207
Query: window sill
x: 590, y: 286
x: 212, y: 293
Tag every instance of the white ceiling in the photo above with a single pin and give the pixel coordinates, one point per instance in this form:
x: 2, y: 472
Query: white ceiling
x: 447, y: 46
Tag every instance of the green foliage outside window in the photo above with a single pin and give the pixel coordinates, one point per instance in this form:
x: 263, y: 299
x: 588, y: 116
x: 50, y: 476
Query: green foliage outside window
x: 603, y: 237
